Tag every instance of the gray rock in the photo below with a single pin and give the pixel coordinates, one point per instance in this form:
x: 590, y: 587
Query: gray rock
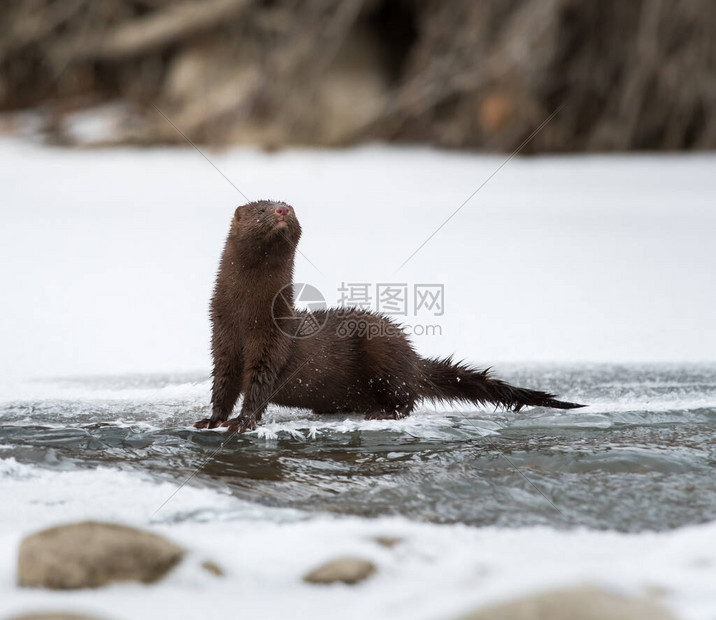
x: 90, y: 555
x: 213, y: 568
x: 578, y: 603
x: 342, y: 570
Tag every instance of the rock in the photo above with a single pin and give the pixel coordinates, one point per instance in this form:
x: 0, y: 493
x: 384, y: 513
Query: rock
x: 387, y: 541
x: 342, y: 570
x: 213, y: 568
x: 578, y: 603
x: 90, y: 555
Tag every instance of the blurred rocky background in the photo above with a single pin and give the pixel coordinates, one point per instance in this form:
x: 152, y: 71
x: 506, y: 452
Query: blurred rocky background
x: 484, y: 74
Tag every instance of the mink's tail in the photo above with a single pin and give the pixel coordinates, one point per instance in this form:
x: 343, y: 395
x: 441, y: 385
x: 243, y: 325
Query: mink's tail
x: 446, y: 380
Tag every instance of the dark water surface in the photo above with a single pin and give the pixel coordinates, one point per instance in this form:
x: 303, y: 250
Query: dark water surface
x: 642, y: 456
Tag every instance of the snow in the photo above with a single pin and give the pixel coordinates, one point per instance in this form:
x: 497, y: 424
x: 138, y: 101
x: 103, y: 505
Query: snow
x: 436, y: 571
x: 107, y: 258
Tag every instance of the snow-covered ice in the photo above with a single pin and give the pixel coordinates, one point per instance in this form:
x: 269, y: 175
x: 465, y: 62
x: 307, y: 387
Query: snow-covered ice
x: 107, y: 258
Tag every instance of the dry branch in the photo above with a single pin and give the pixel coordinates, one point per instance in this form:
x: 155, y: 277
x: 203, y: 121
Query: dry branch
x: 165, y: 27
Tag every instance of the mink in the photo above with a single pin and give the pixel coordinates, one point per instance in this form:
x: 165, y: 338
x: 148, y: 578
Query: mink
x: 353, y: 361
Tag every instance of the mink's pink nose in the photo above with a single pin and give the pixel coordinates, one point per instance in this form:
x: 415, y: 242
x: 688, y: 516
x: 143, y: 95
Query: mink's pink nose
x: 281, y: 211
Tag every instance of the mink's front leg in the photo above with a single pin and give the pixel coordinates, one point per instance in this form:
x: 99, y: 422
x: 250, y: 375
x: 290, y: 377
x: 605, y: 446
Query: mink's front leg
x: 225, y: 390
x: 260, y: 383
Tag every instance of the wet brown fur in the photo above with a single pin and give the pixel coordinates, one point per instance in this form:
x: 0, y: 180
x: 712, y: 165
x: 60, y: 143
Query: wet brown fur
x: 373, y: 371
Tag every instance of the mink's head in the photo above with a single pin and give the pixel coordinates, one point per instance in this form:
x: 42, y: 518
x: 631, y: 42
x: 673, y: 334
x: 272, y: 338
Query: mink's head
x: 265, y: 228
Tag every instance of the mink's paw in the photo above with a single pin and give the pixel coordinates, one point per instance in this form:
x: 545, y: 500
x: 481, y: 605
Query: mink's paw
x: 240, y: 425
x: 383, y: 415
x: 205, y: 423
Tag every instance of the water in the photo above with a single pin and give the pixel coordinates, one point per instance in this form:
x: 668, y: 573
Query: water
x: 641, y: 457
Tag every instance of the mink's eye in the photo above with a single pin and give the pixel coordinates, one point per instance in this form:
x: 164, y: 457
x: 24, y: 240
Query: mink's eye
x: 261, y: 211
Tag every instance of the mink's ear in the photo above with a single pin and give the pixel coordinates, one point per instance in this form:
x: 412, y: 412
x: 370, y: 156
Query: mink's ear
x: 236, y: 221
